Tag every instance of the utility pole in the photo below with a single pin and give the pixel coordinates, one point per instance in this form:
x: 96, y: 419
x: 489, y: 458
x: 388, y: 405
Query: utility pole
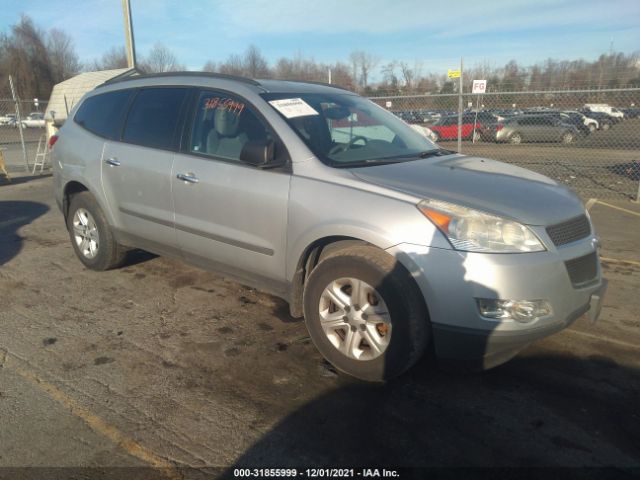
x: 128, y: 34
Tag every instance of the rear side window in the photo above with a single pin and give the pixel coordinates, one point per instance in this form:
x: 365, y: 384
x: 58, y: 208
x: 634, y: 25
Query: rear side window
x: 153, y: 117
x: 103, y: 114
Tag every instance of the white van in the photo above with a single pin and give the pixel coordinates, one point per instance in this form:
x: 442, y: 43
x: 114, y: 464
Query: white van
x: 606, y: 108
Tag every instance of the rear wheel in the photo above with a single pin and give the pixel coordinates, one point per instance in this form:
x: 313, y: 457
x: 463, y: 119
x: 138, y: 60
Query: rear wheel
x: 476, y: 137
x: 592, y: 127
x: 515, y: 138
x: 567, y: 137
x: 90, y: 234
x: 365, y: 314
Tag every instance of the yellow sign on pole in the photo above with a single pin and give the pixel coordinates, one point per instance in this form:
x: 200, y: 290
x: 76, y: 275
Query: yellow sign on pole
x: 453, y: 73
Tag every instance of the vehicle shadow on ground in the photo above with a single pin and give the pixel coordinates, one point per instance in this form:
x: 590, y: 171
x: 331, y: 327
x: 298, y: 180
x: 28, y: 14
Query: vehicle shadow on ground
x: 537, y: 410
x: 22, y: 179
x: 13, y: 216
x: 136, y: 256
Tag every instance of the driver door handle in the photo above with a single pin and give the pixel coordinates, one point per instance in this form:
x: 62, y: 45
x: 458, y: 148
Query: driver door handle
x: 113, y: 161
x: 187, y: 177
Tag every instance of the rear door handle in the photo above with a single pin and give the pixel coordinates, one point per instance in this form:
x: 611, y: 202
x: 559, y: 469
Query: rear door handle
x: 113, y: 161
x: 187, y: 177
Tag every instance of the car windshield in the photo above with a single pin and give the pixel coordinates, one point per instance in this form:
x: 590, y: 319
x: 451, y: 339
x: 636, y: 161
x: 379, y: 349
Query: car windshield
x: 346, y: 130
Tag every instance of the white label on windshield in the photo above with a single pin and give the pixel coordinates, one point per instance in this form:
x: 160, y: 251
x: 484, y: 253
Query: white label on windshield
x: 293, y: 107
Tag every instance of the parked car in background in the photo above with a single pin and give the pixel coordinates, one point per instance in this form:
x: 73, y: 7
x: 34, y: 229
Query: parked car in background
x: 605, y: 108
x: 447, y: 128
x: 536, y: 128
x: 33, y: 120
x: 590, y: 123
x: 425, y: 131
x: 631, y: 112
x: 605, y: 121
x: 8, y: 119
x: 577, y: 120
x: 411, y: 246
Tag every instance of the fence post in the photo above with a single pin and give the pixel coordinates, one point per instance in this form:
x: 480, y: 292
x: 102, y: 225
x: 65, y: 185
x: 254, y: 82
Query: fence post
x: 460, y: 110
x: 19, y: 120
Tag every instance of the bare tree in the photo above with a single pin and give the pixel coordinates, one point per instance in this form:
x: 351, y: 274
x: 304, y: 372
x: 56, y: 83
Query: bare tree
x: 62, y: 55
x: 25, y: 57
x: 160, y: 59
x: 232, y: 65
x: 363, y: 64
x: 210, y: 66
x: 254, y: 64
x: 114, y: 58
x: 409, y: 75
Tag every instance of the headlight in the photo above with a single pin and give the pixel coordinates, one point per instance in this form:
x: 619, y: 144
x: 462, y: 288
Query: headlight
x: 474, y: 231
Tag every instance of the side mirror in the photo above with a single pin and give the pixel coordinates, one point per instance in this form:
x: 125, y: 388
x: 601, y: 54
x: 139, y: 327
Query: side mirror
x: 258, y: 153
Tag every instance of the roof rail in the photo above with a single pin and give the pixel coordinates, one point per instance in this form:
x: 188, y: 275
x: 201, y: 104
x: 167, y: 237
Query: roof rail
x: 324, y: 84
x: 132, y: 76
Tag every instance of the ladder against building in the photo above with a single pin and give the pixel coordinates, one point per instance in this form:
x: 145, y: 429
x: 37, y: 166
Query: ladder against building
x: 42, y: 154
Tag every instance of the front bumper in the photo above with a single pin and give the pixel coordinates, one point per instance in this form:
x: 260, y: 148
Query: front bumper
x: 451, y: 281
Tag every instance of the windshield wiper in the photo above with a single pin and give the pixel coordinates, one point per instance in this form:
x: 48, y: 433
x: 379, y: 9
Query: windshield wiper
x: 395, y: 159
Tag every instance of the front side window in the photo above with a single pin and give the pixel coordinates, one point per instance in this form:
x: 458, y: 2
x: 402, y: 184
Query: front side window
x: 345, y: 130
x: 103, y: 114
x: 153, y: 117
x: 223, y: 125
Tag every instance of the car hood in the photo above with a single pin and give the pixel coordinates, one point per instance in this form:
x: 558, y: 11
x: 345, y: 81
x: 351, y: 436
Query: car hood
x: 483, y: 184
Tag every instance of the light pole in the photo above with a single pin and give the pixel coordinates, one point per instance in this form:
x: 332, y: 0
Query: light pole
x: 128, y: 34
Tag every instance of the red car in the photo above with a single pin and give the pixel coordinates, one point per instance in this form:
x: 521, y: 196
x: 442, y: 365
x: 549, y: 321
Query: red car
x: 447, y: 128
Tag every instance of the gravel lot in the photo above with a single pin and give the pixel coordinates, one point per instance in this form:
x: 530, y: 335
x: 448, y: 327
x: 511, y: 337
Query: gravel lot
x: 165, y: 365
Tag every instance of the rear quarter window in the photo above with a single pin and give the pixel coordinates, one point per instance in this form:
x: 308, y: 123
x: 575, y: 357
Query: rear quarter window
x: 103, y: 114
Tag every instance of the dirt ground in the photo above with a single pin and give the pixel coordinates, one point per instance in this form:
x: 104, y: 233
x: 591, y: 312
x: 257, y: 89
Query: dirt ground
x: 163, y: 365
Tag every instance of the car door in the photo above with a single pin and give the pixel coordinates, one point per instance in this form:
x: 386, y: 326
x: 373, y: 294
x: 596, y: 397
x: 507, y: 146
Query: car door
x: 136, y: 171
x: 230, y: 216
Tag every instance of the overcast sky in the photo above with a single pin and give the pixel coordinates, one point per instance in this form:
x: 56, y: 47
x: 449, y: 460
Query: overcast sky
x: 435, y: 33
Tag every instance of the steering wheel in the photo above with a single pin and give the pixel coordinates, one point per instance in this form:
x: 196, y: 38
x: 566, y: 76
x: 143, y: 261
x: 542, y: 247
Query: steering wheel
x: 344, y: 147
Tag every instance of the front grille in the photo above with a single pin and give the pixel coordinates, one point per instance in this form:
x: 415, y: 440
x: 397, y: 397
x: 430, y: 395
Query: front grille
x: 569, y: 231
x: 583, y: 270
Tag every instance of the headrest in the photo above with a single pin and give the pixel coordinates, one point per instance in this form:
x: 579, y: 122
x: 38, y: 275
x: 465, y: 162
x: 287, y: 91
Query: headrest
x: 226, y: 122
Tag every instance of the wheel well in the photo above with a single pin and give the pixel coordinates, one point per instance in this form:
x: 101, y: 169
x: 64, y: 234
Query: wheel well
x: 70, y: 190
x: 311, y: 256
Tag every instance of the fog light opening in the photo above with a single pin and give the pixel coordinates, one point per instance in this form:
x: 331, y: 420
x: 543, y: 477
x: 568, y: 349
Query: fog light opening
x: 523, y: 311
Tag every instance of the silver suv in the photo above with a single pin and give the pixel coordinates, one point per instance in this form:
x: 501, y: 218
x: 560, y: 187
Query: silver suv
x: 385, y: 243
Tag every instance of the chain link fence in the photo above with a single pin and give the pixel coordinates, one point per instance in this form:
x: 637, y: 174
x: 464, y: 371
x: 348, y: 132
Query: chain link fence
x: 21, y: 128
x: 586, y: 139
x: 601, y: 159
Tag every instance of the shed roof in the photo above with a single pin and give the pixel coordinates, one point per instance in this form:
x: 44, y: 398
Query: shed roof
x: 74, y: 88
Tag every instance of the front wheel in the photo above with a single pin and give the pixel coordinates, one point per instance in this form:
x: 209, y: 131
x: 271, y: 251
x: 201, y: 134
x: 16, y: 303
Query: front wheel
x: 515, y: 138
x: 90, y: 234
x: 365, y: 314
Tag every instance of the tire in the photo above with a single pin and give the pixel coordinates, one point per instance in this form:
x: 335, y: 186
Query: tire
x: 605, y: 126
x: 390, y: 295
x: 592, y: 127
x: 86, y: 221
x: 567, y: 138
x: 515, y: 138
x: 476, y: 136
